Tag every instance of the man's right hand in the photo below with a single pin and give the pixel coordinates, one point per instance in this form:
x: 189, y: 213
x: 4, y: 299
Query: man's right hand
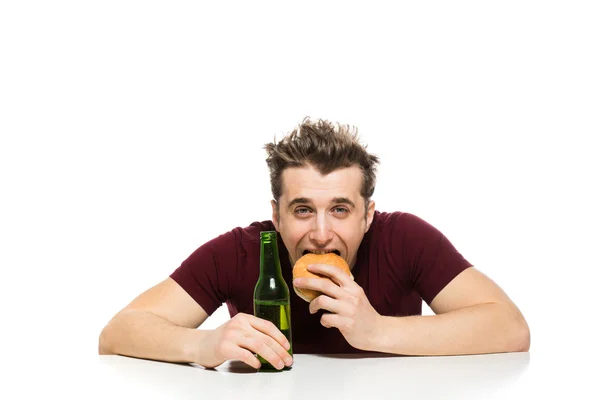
x: 243, y: 336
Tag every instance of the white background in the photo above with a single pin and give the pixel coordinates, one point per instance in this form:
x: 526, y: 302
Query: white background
x: 132, y: 132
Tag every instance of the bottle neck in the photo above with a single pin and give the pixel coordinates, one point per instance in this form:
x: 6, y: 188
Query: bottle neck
x: 269, y: 258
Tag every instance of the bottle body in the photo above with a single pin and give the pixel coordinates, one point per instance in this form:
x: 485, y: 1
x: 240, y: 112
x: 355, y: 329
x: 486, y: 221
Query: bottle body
x: 277, y: 312
x: 271, y: 293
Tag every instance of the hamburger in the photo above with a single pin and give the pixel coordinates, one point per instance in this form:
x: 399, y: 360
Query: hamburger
x: 300, y: 271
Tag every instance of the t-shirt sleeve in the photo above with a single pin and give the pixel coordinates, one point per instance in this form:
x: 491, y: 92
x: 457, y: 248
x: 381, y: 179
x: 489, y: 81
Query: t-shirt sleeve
x: 432, y: 259
x: 205, y: 274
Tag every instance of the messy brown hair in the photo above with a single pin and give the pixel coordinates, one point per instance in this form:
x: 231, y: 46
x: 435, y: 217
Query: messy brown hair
x: 327, y: 147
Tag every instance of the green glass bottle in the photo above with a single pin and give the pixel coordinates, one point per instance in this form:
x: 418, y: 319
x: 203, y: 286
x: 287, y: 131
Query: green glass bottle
x: 271, y: 293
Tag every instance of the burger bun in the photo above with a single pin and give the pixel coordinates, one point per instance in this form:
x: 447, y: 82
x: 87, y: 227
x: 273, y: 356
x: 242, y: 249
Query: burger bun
x: 300, y: 271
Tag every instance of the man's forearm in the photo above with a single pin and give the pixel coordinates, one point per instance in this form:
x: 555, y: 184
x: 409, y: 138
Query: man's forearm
x: 483, y: 328
x: 143, y: 334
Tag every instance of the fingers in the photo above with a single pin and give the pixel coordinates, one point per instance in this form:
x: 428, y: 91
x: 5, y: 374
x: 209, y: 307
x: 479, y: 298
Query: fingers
x: 332, y: 321
x: 334, y: 273
x: 270, y: 343
x: 268, y: 349
x: 248, y: 358
x: 324, y: 286
x: 248, y: 335
x: 326, y: 303
x: 269, y: 329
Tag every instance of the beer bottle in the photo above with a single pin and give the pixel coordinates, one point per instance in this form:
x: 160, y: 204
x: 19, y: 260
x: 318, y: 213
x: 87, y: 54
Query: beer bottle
x: 271, y: 293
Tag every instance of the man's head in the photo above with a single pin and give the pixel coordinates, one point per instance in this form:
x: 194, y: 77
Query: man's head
x: 322, y: 181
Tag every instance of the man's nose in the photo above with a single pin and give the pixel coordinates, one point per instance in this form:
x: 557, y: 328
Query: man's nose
x: 321, y: 233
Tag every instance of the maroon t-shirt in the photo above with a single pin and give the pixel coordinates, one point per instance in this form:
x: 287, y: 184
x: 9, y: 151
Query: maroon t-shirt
x: 401, y: 260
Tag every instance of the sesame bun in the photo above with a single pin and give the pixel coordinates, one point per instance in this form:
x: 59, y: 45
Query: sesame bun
x: 303, y: 262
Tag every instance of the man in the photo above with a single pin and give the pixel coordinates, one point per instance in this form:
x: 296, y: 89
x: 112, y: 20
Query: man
x: 322, y: 181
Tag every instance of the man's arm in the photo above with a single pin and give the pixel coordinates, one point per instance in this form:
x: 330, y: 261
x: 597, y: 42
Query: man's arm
x: 161, y: 323
x: 473, y: 316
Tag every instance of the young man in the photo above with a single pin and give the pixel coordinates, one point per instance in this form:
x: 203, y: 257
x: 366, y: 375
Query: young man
x: 322, y: 181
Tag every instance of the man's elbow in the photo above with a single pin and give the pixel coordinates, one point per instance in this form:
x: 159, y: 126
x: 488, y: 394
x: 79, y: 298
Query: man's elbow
x: 521, y: 336
x: 104, y: 347
x: 524, y: 339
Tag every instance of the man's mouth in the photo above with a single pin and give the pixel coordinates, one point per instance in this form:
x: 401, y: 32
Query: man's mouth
x: 321, y: 252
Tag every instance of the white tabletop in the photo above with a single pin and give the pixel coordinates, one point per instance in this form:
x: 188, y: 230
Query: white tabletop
x: 512, y: 375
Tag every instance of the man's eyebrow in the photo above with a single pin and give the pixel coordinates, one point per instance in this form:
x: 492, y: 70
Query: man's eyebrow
x: 343, y: 200
x: 335, y: 200
x: 299, y: 200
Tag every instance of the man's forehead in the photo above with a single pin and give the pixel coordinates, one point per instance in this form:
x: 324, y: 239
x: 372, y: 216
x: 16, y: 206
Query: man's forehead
x: 309, y: 183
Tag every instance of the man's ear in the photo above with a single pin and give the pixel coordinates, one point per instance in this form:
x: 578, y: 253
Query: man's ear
x: 370, y: 214
x: 275, y: 215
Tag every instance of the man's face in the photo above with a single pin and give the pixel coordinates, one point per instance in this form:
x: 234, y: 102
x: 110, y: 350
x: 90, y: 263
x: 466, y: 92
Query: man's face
x: 322, y: 213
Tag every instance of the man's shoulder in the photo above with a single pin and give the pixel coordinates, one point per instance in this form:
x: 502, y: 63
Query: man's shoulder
x: 252, y: 231
x: 400, y: 225
x: 245, y: 234
x: 406, y: 226
x: 384, y: 219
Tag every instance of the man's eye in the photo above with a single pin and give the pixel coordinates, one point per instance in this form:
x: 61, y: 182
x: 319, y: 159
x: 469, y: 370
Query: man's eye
x: 302, y: 211
x: 340, y: 210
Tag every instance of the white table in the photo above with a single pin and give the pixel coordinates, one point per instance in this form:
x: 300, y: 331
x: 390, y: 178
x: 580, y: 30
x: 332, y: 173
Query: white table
x: 502, y: 376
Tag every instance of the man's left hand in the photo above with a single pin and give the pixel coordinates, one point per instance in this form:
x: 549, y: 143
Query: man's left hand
x: 351, y: 311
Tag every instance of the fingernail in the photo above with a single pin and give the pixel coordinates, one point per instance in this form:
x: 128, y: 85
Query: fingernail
x: 289, y: 361
x: 280, y: 365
